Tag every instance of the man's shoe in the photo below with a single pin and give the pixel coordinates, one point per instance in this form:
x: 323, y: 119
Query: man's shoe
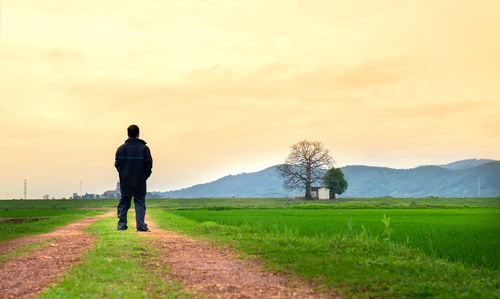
x: 122, y: 228
x: 147, y: 230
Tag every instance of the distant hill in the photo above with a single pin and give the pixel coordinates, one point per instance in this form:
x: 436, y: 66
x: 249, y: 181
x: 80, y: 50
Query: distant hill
x: 463, y: 164
x: 264, y: 183
x: 367, y: 181
x: 462, y: 178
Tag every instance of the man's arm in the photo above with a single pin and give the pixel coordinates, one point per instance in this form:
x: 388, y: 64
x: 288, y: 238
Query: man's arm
x: 148, y: 162
x: 118, y: 162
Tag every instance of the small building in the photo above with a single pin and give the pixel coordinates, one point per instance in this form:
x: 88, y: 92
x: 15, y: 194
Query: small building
x: 320, y: 193
x: 109, y: 194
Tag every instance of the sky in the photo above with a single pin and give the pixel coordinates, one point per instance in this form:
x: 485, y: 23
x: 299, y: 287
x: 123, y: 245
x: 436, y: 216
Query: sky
x: 225, y: 87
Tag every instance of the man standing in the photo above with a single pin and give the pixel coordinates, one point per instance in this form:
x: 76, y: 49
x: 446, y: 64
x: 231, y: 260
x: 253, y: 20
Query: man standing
x: 133, y: 162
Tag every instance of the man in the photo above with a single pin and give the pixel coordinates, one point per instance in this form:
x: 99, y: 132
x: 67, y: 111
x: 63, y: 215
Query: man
x: 133, y: 162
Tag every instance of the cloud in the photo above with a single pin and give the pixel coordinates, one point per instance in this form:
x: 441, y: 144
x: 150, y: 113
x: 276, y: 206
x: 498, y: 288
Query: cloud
x: 62, y: 55
x: 61, y: 59
x: 439, y: 111
x: 363, y: 75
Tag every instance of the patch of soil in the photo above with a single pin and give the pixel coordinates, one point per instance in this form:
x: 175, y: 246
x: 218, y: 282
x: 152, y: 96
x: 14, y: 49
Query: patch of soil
x: 25, y: 276
x: 22, y: 219
x: 214, y: 272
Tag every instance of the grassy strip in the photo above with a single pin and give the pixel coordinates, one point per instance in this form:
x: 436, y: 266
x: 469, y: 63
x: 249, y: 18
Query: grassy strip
x: 59, y: 203
x: 23, y: 250
x: 249, y: 202
x: 151, y: 202
x: 10, y: 230
x: 357, y: 263
x: 320, y: 206
x: 121, y: 265
x: 27, y: 213
x: 419, y: 201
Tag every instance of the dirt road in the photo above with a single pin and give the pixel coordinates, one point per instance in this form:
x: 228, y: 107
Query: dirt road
x: 204, y: 269
x: 26, y: 275
x: 216, y: 272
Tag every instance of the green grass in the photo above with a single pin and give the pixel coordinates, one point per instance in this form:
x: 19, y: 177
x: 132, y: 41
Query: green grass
x: 9, y: 230
x: 151, y: 202
x: 469, y: 236
x: 420, y: 201
x: 354, y: 260
x: 58, y: 203
x: 121, y: 265
x: 431, y: 252
x: 21, y: 213
x: 246, y: 202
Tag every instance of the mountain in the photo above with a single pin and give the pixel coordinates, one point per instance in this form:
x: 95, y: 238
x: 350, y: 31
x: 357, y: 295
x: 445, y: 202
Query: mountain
x: 367, y: 181
x: 462, y: 178
x: 463, y: 164
x: 264, y: 183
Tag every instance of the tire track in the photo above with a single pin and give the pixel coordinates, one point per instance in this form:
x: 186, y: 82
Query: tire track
x: 213, y: 272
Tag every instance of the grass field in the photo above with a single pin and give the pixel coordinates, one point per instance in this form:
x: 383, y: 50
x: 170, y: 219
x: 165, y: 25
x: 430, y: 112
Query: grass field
x: 470, y: 236
x: 358, y: 262
x: 250, y: 202
x: 426, y: 248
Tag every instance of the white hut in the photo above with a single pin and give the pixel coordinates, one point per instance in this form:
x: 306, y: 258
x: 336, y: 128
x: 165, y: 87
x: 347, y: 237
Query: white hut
x: 320, y: 193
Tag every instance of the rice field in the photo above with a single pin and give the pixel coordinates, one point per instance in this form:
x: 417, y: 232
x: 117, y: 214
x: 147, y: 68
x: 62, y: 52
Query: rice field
x: 469, y: 236
x: 426, y: 252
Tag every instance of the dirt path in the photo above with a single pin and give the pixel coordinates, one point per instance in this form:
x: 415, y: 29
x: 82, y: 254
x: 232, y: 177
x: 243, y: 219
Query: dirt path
x: 204, y: 270
x: 219, y: 273
x: 26, y: 275
x: 60, y: 231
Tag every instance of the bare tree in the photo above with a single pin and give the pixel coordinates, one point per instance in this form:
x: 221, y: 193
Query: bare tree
x: 305, y: 165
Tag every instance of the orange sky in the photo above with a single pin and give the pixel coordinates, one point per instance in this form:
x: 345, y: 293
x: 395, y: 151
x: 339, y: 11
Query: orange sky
x: 222, y: 87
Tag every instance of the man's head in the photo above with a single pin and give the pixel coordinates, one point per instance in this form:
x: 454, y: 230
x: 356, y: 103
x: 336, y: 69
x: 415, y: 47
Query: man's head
x: 133, y: 131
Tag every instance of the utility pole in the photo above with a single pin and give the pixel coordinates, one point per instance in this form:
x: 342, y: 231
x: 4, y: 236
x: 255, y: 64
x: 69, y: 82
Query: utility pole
x: 25, y: 188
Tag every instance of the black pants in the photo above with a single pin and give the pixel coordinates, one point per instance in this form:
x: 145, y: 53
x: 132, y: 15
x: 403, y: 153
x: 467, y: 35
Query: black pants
x: 140, y: 212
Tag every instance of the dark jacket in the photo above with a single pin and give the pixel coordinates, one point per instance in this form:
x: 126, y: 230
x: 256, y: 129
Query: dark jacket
x: 133, y: 162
